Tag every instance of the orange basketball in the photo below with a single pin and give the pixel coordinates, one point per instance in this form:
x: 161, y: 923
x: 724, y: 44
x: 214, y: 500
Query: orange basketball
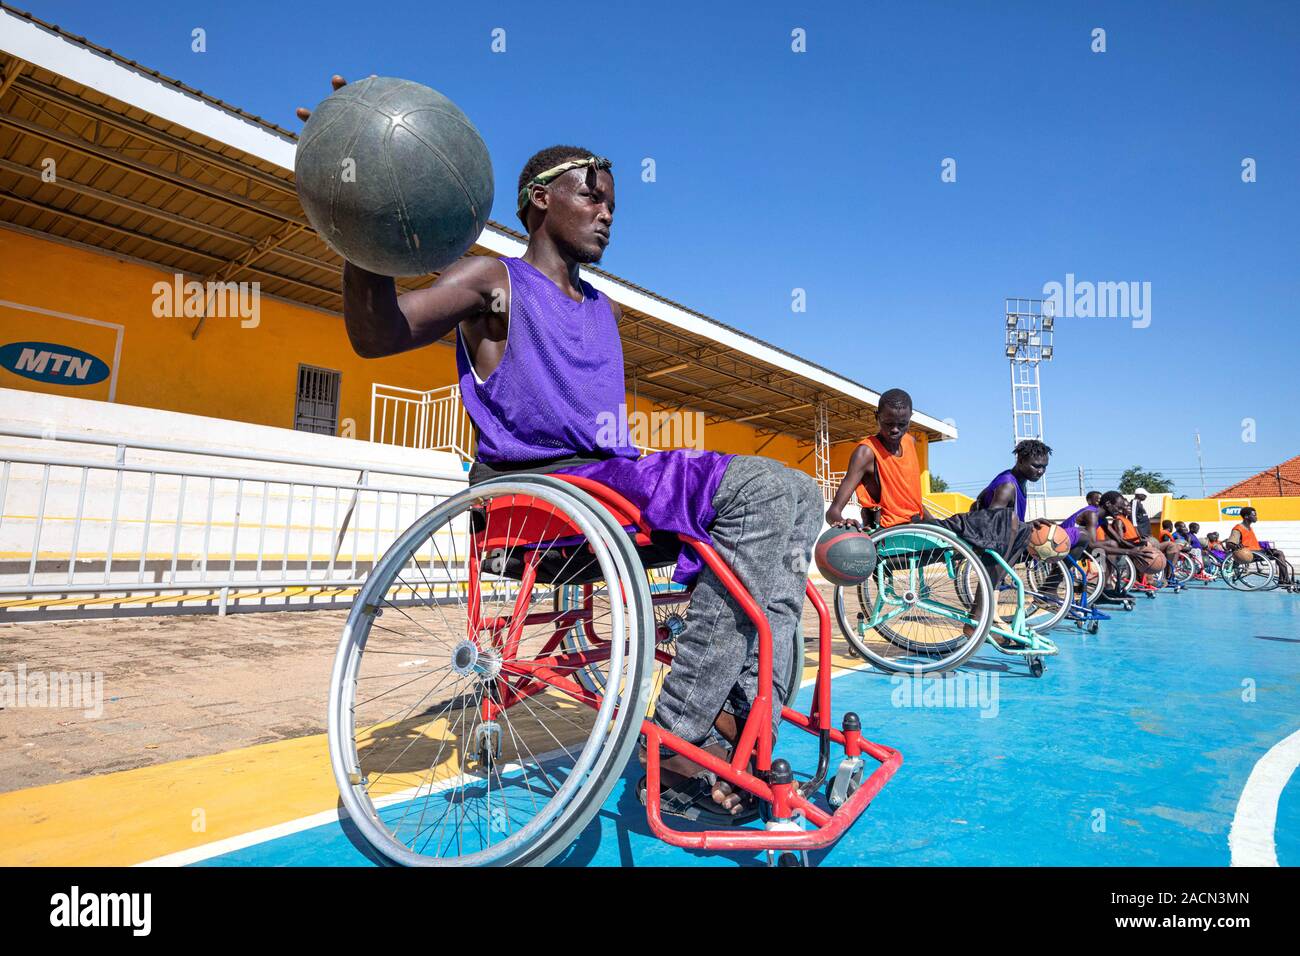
x: 1243, y: 556
x: 1154, y: 560
x: 1049, y: 541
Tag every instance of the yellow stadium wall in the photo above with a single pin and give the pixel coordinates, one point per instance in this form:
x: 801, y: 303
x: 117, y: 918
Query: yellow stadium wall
x: 1208, y: 510
x: 229, y: 371
x: 948, y: 502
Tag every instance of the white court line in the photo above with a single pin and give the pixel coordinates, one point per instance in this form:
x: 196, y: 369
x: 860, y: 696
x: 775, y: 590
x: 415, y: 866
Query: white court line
x: 265, y: 835
x: 242, y: 841
x: 1251, y: 839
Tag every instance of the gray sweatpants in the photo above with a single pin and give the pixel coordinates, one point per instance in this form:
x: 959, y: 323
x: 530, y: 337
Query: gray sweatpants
x: 767, y: 523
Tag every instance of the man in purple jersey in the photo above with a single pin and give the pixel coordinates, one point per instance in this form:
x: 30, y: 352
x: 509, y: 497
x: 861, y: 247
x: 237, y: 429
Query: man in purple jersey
x: 1081, y: 527
x: 1007, y: 489
x: 542, y: 405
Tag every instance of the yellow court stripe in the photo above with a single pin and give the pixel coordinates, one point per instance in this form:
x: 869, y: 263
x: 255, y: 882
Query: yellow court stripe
x: 181, y: 597
x: 127, y: 817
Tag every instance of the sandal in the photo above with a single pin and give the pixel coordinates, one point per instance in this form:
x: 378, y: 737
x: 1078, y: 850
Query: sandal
x: 692, y: 799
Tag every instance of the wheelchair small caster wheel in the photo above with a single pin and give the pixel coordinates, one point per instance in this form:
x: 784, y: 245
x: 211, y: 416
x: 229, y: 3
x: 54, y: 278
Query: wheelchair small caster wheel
x: 845, y: 782
x: 790, y: 859
x: 1094, y: 627
x: 1036, y: 667
x: 1128, y: 605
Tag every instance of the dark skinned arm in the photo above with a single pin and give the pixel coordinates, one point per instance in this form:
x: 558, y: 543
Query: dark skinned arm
x: 861, y: 463
x: 380, y: 322
x: 1004, y: 496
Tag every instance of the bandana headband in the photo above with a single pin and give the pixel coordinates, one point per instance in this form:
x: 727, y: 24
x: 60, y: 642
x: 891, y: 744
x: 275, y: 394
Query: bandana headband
x: 554, y: 173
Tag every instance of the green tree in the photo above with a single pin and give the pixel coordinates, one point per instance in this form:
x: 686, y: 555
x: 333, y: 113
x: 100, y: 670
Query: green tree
x: 937, y: 484
x: 1136, y: 477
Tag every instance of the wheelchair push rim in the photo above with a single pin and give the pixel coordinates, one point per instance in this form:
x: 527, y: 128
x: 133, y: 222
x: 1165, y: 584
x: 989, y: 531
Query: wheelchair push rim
x: 458, y: 734
x: 1048, y: 594
x: 927, y: 607
x: 1093, y: 565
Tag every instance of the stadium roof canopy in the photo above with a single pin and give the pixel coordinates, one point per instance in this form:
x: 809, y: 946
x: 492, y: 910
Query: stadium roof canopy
x: 152, y: 170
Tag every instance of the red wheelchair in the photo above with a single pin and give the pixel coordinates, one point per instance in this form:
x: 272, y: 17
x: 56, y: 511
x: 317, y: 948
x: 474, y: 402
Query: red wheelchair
x: 497, y: 669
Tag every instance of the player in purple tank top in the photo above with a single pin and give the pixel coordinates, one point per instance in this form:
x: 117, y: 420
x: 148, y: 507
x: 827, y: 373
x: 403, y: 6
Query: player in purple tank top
x: 1007, y: 490
x: 540, y: 363
x: 1082, y: 527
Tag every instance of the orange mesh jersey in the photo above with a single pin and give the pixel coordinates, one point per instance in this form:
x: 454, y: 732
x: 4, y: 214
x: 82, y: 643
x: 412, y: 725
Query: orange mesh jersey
x: 900, y: 482
x: 1248, y: 539
x: 1127, y: 529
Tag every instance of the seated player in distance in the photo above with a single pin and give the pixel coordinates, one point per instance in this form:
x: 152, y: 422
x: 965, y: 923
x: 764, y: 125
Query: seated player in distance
x: 1093, y: 499
x: 1082, y: 527
x: 1168, y: 543
x: 1168, y: 534
x: 1214, y: 546
x: 1196, y: 545
x: 1142, y: 522
x: 1184, y: 534
x: 1243, y: 543
x: 1007, y: 489
x: 1119, y: 536
x: 536, y: 407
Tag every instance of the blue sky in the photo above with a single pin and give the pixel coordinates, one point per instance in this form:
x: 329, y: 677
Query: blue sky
x: 821, y: 171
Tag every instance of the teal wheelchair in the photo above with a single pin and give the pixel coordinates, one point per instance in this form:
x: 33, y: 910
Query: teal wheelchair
x: 933, y: 601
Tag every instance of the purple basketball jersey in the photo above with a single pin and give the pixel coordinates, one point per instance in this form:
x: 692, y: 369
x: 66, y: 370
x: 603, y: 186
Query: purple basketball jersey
x: 558, y: 393
x: 1004, y: 478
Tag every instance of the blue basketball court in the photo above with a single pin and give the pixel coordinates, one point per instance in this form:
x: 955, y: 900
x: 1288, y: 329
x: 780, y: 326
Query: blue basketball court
x: 1133, y: 749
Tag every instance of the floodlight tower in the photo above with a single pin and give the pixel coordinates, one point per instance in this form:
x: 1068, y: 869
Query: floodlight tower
x: 1028, y: 342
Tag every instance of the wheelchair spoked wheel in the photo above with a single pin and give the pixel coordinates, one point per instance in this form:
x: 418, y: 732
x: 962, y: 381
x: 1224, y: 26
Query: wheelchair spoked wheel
x: 1121, y: 574
x: 1275, y: 581
x: 1257, y: 575
x: 1184, y: 568
x: 1093, y: 565
x: 1210, y: 565
x: 457, y: 732
x: 1049, y: 592
x: 671, y: 601
x: 927, y: 606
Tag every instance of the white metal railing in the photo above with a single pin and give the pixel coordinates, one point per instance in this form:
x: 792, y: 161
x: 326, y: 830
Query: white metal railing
x: 75, y: 520
x: 434, y: 418
x: 831, y: 484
